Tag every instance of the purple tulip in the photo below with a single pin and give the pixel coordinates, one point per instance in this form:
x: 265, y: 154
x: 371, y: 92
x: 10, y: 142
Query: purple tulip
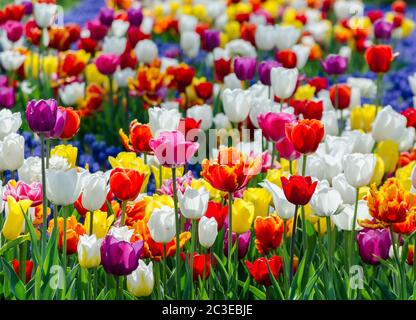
x: 3, y: 81
x: 243, y: 243
x: 244, y: 68
x: 56, y: 132
x: 265, y: 67
x: 335, y: 65
x: 212, y: 39
x: 383, y: 29
x: 28, y: 7
x: 107, y: 63
x: 41, y: 115
x: 119, y: 257
x: 106, y: 16
x: 135, y: 16
x: 14, y: 30
x: 7, y: 97
x: 373, y: 243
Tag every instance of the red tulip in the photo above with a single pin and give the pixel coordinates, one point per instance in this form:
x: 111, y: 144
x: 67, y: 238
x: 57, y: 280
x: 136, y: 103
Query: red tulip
x: 126, y: 183
x: 204, y: 90
x: 320, y: 83
x: 260, y: 272
x: 72, y: 124
x: 222, y: 68
x: 29, y: 268
x: 188, y: 124
x: 298, y: 190
x: 217, y: 211
x: 344, y: 96
x: 410, y: 115
x: 399, y: 6
x: 305, y: 135
x: 287, y: 58
x: 379, y: 58
x: 198, y: 265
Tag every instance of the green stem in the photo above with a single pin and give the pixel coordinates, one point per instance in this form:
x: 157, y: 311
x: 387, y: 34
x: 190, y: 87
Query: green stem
x: 379, y: 98
x: 230, y: 231
x: 177, y: 253
x: 123, y: 213
x: 165, y: 287
x: 92, y: 222
x: 64, y: 246
x: 402, y: 283
x: 191, y: 259
x: 44, y: 200
x: 22, y: 261
x: 118, y: 287
x: 354, y: 225
x: 330, y: 251
x: 292, y: 244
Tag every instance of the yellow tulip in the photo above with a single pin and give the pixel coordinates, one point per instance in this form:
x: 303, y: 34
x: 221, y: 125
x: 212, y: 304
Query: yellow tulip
x: 101, y: 223
x: 200, y: 11
x: 289, y: 15
x: 31, y: 65
x: 243, y: 216
x: 404, y: 175
x: 285, y: 165
x: 356, y: 23
x: 274, y: 175
x: 378, y: 171
x: 94, y: 76
x: 50, y: 65
x: 272, y: 7
x: 83, y: 56
x: 362, y: 192
x: 157, y: 202
x: 389, y: 152
x: 232, y: 30
x: 231, y: 11
x: 158, y: 11
x: 129, y: 160
x: 363, y: 118
x: 166, y: 174
x: 214, y: 194
x: 309, y: 214
x: 320, y: 226
x: 408, y: 26
x: 261, y: 199
x: 305, y: 92
x: 223, y: 39
x: 66, y: 151
x: 174, y: 6
x: 15, y: 219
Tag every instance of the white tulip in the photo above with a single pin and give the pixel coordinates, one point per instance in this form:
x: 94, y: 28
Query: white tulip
x: 94, y: 192
x: 412, y: 83
x: 190, y: 43
x: 302, y: 55
x: 58, y: 163
x: 330, y: 122
x: 11, y: 60
x: 347, y: 191
x: 242, y: 48
x: 31, y: 170
x: 389, y: 125
x: 286, y: 36
x: 345, y: 219
x: 367, y: 87
x: 114, y: 45
x: 319, y: 30
x: 325, y: 202
x: 361, y: 142
x: 163, y: 120
x: 162, y: 224
x: 121, y: 233
x: 232, y: 82
x: 236, y: 104
x: 146, y: 51
x: 201, y: 113
x: 141, y: 281
x: 265, y: 37
x: 45, y: 14
x: 345, y: 52
x: 359, y: 168
x: 407, y: 140
x: 147, y: 25
x: 119, y: 28
x: 345, y: 9
x: 355, y: 97
x: 122, y: 77
x: 193, y: 202
x: 259, y: 106
x: 284, y: 208
x: 221, y: 121
x: 12, y: 152
x: 207, y: 231
x: 284, y: 81
x: 89, y: 255
x: 72, y: 93
x: 9, y: 122
x: 63, y: 187
x: 187, y: 23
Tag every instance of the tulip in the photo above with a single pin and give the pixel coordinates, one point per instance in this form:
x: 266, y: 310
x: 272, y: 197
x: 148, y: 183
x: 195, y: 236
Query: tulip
x: 12, y: 152
x: 68, y: 152
x: 106, y: 16
x: 14, y: 30
x: 236, y: 104
x: 107, y: 63
x: 383, y: 29
x: 243, y: 216
x: 146, y: 51
x: 141, y: 281
x: 243, y: 243
x: 273, y: 125
x: 89, y: 251
x: 190, y: 43
x: 120, y: 258
x: 326, y: 201
x: 193, y: 203
x: 298, y: 190
x: 367, y: 87
x: 41, y: 115
x: 259, y: 270
x: 163, y: 120
x: 162, y: 224
x: 264, y: 71
x: 335, y: 65
x: 72, y: 124
x: 284, y: 81
x: 9, y: 122
x: 374, y: 245
x: 22, y: 191
x: 218, y: 212
x: 302, y: 55
x: 347, y: 191
x: 59, y: 125
x: 359, y: 168
x: 269, y: 233
x: 389, y: 125
x: 63, y: 188
x: 305, y: 135
x: 28, y: 269
x: 204, y: 90
x: 265, y: 37
x: 187, y: 23
x: 345, y: 219
x: 135, y: 16
x: 94, y: 192
x: 260, y: 198
x: 287, y: 58
x: 284, y: 208
x: 244, y: 68
x: 172, y: 150
x: 207, y: 231
x: 341, y: 96
x: 126, y: 183
x: 11, y: 60
x: 379, y: 58
x: 7, y: 97
x: 72, y: 93
x: 45, y: 14
x: 202, y: 113
x: 211, y: 39
x: 286, y: 36
x: 14, y: 223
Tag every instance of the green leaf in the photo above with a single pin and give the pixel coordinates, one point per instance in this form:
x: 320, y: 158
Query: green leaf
x: 14, y: 243
x: 16, y: 285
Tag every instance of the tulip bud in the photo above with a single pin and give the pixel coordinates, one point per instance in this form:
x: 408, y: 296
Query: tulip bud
x: 326, y: 201
x: 236, y: 104
x: 193, y: 203
x: 359, y: 168
x: 89, y: 251
x: 207, y: 231
x: 94, y: 192
x: 146, y: 51
x: 162, y: 224
x: 12, y: 152
x: 45, y: 14
x: 63, y: 187
x: 141, y: 281
x: 284, y: 81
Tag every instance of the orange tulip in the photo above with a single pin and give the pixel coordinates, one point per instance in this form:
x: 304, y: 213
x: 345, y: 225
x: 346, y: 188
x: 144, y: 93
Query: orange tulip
x: 138, y: 138
x: 269, y: 233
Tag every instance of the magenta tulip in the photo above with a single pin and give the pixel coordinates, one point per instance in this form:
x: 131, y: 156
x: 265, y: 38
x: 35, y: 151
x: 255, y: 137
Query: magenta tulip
x: 273, y: 125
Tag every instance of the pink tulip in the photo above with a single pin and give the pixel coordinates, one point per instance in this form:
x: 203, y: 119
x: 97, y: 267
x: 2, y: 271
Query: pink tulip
x: 286, y: 149
x: 22, y: 191
x: 14, y: 30
x: 172, y: 150
x: 107, y: 63
x: 273, y: 125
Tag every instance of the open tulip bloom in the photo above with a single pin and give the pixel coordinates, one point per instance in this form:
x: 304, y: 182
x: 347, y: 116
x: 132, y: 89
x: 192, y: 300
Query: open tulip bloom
x: 207, y: 150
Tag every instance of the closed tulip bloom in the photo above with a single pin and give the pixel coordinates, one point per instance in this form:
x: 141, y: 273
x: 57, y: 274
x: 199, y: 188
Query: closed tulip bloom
x: 344, y: 96
x: 138, y: 139
x: 269, y: 233
x: 302, y: 55
x: 107, y: 63
x: 345, y: 219
x: 59, y: 125
x: 243, y: 215
x: 284, y: 81
x: 135, y: 16
x: 335, y: 65
x: 12, y: 150
x: 106, y: 16
x: 326, y: 201
x: 7, y: 97
x: 172, y: 150
x: 273, y: 125
x: 63, y: 187
x: 120, y: 257
x: 163, y: 120
x: 379, y: 58
x: 9, y: 122
x: 265, y: 68
x: 287, y: 58
x: 383, y: 29
x: 212, y: 39
x: 236, y: 104
x: 15, y: 221
x: 41, y: 115
x: 207, y: 231
x: 265, y: 37
x: 286, y: 36
x: 72, y: 93
x: 190, y: 43
x: 244, y: 68
x: 243, y: 243
x: 359, y: 168
x: 11, y: 60
x: 193, y: 202
x: 141, y: 281
x: 126, y: 183
x: 347, y: 191
x: 259, y: 270
x: 306, y: 135
x: 260, y: 198
x: 14, y: 30
x: 201, y: 113
x: 101, y: 223
x: 284, y: 208
x: 298, y: 190
x: 373, y: 244
x: 20, y: 190
x: 94, y: 192
x: 286, y: 149
x: 162, y: 224
x: 72, y: 124
x: 146, y: 51
x: 389, y: 125
x: 89, y: 251
x: 45, y: 14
